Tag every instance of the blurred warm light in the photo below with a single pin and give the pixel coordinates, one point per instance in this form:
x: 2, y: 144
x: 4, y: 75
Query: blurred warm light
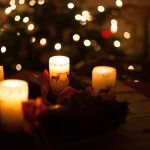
x: 57, y: 46
x: 30, y: 27
x: 136, y: 81
x: 3, y: 49
x: 93, y: 42
x: 89, y: 18
x: 21, y: 2
x: 2, y: 30
x: 32, y: 2
x: 114, y: 21
x: 41, y: 2
x: 101, y: 8
x: 26, y: 19
x: 119, y: 3
x: 83, y: 23
x: 13, y: 7
x: 8, y: 10
x: 87, y: 43
x: 17, y: 18
x: 33, y: 39
x: 70, y: 5
x: 18, y: 33
x: 12, y: 2
x: 114, y: 28
x: 76, y: 37
x: 83, y: 19
x: 43, y: 41
x: 117, y: 43
x: 130, y: 67
x: 86, y: 16
x: 18, y: 67
x: 85, y: 13
x: 127, y: 35
x: 78, y: 17
x: 97, y: 47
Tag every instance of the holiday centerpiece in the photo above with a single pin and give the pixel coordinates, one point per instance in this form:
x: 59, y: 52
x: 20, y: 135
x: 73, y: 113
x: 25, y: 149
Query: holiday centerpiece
x: 70, y: 107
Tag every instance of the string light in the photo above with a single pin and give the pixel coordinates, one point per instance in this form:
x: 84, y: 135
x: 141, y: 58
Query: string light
x: 8, y: 10
x: 31, y: 27
x: 85, y: 13
x: 18, y: 67
x: 21, y: 2
x: 93, y: 43
x: 130, y: 67
x: 117, y: 43
x: 114, y: 21
x: 119, y: 3
x: 2, y: 30
x: 32, y: 2
x: 57, y: 46
x: 12, y: 2
x: 97, y: 48
x: 70, y: 5
x: 78, y: 17
x: 18, y: 33
x: 86, y: 16
x: 43, y: 41
x: 13, y: 7
x: 87, y: 43
x: 26, y: 19
x: 127, y: 35
x: 114, y: 26
x: 33, y: 39
x: 41, y: 2
x: 76, y: 37
x: 83, y: 23
x: 3, y: 49
x: 101, y: 8
x: 17, y: 18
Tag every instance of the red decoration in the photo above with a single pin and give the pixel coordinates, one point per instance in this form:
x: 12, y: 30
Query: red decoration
x: 106, y: 34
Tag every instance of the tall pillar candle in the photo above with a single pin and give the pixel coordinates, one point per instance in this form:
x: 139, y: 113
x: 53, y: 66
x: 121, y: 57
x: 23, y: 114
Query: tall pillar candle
x: 103, y: 80
x: 59, y: 69
x: 1, y: 73
x: 12, y: 93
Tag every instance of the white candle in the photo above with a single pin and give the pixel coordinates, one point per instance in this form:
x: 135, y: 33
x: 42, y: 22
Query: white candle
x: 1, y: 73
x: 59, y: 69
x: 12, y: 94
x: 103, y: 80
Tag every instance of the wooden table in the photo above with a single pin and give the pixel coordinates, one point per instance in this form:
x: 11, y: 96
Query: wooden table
x: 133, y: 134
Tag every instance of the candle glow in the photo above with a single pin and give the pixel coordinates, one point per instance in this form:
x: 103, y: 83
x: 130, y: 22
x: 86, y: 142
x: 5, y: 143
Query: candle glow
x: 1, y: 73
x: 59, y: 67
x: 12, y: 93
x: 103, y: 80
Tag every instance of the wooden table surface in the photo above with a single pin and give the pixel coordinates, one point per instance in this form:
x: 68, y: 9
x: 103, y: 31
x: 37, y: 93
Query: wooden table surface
x: 133, y: 134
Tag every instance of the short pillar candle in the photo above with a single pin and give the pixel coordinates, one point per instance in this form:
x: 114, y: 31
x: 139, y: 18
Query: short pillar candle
x: 12, y: 93
x: 59, y: 69
x: 103, y: 80
x: 1, y: 73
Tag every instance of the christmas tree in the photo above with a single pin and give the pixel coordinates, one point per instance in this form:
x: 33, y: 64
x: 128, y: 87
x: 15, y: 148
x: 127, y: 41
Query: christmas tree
x: 33, y: 30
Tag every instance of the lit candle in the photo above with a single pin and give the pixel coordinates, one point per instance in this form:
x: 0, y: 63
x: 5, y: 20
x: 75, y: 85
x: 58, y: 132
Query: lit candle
x: 103, y: 80
x: 12, y: 94
x: 59, y: 67
x: 1, y: 73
